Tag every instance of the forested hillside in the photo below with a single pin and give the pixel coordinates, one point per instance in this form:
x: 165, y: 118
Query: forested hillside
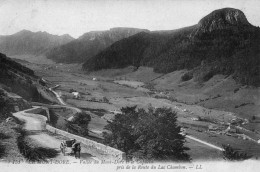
x: 18, y: 79
x: 223, y: 42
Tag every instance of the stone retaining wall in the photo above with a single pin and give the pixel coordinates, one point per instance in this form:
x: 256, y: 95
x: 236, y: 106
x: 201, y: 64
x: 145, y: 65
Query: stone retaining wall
x: 116, y: 154
x: 39, y: 110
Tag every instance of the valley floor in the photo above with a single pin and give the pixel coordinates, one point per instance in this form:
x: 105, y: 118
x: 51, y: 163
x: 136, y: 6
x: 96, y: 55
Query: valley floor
x: 204, y: 111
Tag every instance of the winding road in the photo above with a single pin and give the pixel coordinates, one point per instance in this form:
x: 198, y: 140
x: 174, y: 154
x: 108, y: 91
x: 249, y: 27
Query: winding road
x: 36, y: 125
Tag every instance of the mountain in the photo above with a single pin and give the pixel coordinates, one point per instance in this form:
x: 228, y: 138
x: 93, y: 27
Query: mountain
x: 27, y: 42
x: 89, y: 44
x: 223, y: 42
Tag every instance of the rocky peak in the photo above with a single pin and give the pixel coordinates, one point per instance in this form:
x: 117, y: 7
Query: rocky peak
x: 222, y: 19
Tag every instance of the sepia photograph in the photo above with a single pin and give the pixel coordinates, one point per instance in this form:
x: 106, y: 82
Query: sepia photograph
x: 129, y: 85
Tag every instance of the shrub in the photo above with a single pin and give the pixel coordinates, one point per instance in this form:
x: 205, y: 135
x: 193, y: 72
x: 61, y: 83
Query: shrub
x: 82, y: 119
x: 31, y: 152
x: 105, y: 100
x: 187, y: 76
x: 231, y: 154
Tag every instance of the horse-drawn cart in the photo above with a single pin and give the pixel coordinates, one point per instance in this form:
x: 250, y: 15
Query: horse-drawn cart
x: 71, y: 147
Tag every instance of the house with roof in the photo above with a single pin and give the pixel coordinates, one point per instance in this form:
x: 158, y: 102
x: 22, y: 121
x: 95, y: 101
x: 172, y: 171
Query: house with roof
x: 76, y: 95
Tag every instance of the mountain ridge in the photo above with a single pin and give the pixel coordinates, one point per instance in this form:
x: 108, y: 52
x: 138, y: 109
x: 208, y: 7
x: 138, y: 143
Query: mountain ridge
x: 218, y: 48
x: 28, y: 42
x: 89, y: 44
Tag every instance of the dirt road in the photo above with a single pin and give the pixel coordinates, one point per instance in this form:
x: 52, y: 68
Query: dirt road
x: 36, y: 124
x: 205, y: 143
x: 57, y: 95
x: 63, y: 103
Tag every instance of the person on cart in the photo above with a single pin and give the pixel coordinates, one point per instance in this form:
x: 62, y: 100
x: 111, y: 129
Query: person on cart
x: 67, y: 144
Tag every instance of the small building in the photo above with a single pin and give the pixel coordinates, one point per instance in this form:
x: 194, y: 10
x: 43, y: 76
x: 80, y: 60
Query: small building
x: 195, y: 119
x: 42, y: 82
x: 213, y: 128
x: 185, y: 110
x: 231, y: 129
x: 94, y: 79
x: 236, y: 121
x: 115, y: 112
x: 76, y: 95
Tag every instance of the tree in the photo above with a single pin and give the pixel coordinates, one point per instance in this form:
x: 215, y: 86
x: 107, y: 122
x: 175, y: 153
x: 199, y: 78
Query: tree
x: 121, y: 136
x: 105, y: 100
x: 149, y: 135
x: 82, y: 119
x: 231, y: 154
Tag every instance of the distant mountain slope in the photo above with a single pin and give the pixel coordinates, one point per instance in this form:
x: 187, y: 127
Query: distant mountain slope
x: 18, y: 79
x: 222, y: 42
x: 89, y: 44
x: 27, y: 42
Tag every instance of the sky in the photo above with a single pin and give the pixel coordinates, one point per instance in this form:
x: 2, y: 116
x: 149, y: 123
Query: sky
x: 75, y: 17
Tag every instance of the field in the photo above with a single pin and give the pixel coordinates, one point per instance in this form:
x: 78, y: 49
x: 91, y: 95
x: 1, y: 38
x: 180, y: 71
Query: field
x: 199, y: 152
x: 33, y: 59
x: 199, y: 105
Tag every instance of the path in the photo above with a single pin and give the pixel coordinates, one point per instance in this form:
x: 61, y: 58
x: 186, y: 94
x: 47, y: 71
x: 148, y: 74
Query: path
x: 205, y: 143
x: 57, y: 95
x: 62, y: 102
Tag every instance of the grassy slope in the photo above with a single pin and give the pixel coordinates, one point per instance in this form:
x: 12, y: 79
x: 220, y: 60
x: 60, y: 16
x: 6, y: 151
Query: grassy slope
x: 220, y: 92
x: 8, y: 142
x: 10, y: 102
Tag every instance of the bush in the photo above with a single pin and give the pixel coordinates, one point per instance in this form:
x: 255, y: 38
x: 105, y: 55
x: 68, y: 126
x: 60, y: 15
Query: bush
x: 72, y: 90
x: 31, y: 152
x: 231, y: 154
x: 149, y: 86
x: 187, y: 76
x: 105, y: 100
x: 82, y: 119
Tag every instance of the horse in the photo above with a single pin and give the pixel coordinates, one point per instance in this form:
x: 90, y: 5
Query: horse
x: 76, y: 149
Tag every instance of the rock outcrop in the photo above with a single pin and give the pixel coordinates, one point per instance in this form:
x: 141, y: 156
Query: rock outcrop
x: 222, y: 19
